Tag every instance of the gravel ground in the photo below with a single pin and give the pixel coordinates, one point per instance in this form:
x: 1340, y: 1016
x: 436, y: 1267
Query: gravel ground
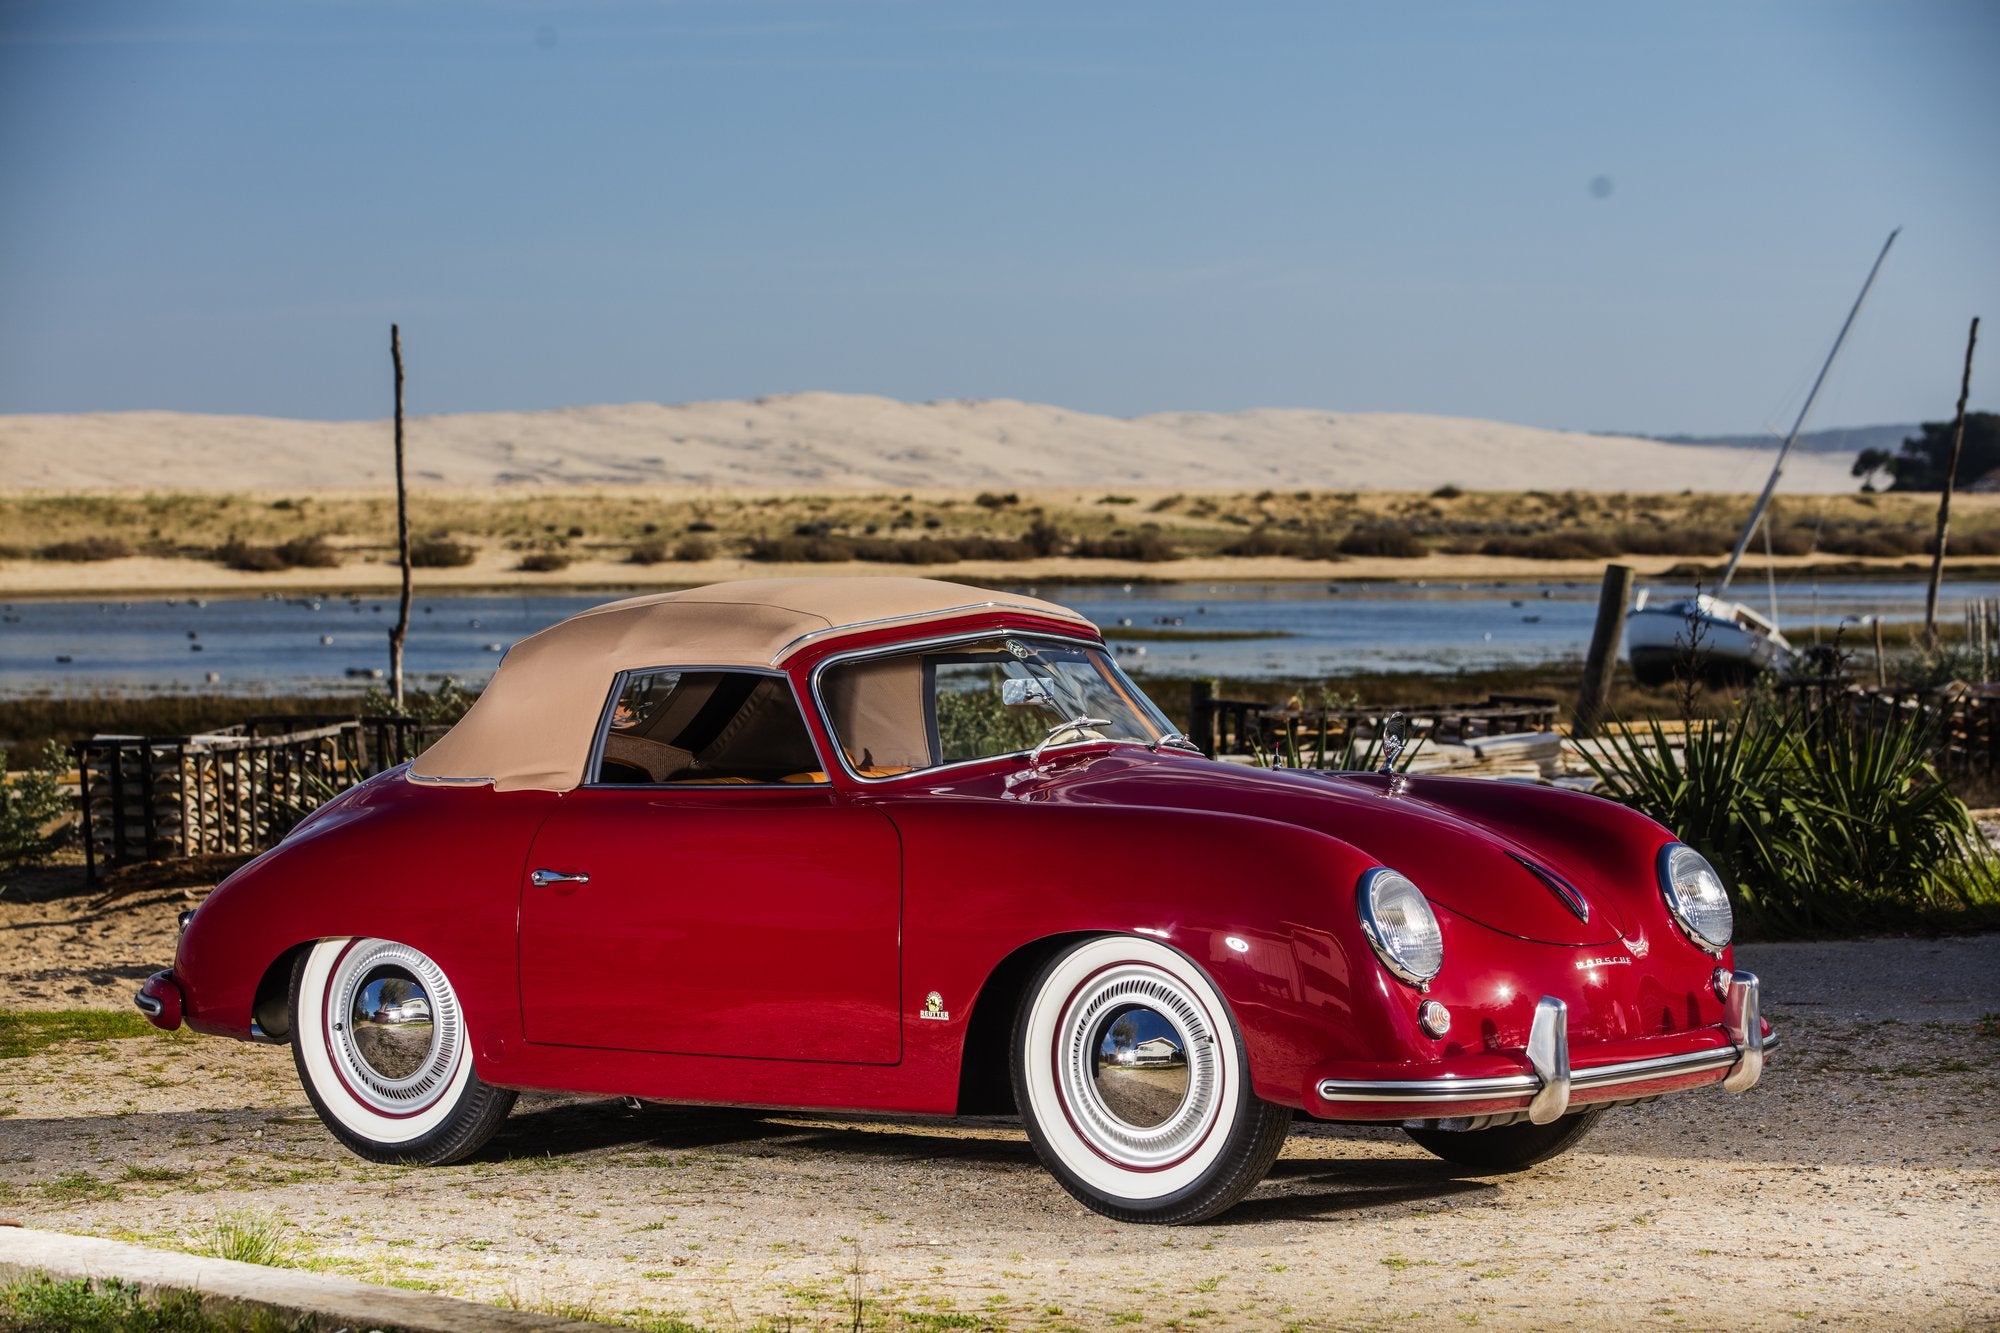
x: 1858, y: 1186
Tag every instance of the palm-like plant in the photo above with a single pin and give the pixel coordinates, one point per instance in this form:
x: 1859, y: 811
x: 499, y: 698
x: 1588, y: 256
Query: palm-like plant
x: 1824, y: 821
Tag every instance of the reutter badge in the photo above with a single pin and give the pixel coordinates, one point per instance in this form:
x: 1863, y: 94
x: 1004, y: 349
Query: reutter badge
x: 934, y: 1008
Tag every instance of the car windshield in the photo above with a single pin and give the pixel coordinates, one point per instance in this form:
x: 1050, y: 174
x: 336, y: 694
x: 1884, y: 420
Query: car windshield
x: 898, y: 712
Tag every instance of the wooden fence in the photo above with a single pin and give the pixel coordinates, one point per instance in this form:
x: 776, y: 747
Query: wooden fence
x: 234, y: 791
x: 1246, y: 726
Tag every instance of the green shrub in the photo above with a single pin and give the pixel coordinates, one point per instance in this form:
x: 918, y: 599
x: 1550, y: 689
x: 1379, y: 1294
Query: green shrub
x: 647, y: 553
x: 36, y: 817
x: 446, y: 702
x: 1673, y: 539
x: 695, y: 549
x: 1147, y: 547
x: 439, y: 553
x: 298, y: 553
x: 1261, y: 541
x: 252, y: 559
x: 87, y: 548
x: 1382, y: 540
x: 307, y: 553
x: 543, y: 562
x: 974, y: 723
x: 1823, y: 822
x: 1553, y: 546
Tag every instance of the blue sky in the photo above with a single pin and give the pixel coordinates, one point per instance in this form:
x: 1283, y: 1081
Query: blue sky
x: 1117, y: 207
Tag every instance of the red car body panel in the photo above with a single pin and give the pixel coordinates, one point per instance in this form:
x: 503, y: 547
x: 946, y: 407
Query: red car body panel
x: 776, y: 946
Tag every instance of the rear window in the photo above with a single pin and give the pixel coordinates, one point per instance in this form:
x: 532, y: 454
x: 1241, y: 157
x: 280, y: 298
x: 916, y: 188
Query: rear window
x: 687, y: 728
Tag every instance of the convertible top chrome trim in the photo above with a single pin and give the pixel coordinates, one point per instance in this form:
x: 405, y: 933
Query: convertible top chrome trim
x: 853, y: 625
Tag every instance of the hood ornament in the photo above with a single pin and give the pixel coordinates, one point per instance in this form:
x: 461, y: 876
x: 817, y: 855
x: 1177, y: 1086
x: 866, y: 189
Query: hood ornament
x: 1395, y: 740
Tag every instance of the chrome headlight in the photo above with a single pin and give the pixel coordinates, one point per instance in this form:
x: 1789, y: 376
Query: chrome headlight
x: 1695, y: 896
x: 1398, y: 921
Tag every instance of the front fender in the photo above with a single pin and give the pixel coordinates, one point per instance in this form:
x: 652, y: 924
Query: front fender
x: 1266, y: 908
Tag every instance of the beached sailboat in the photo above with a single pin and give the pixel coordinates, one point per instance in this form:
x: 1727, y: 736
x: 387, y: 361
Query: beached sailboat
x: 1718, y: 638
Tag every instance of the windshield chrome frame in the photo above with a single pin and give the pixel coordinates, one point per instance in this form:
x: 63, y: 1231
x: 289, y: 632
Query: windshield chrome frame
x: 908, y: 646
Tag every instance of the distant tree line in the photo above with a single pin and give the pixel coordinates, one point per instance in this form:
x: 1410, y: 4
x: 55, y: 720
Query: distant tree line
x: 1921, y: 463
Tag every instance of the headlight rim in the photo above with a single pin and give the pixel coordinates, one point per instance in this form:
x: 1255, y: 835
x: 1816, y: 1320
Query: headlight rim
x: 1664, y: 867
x: 1364, y: 894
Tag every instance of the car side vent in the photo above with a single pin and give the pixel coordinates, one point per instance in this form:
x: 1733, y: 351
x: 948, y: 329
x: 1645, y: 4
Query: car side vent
x: 1561, y: 887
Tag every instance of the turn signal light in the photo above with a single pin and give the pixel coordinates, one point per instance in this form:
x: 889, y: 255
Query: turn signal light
x: 1433, y: 1018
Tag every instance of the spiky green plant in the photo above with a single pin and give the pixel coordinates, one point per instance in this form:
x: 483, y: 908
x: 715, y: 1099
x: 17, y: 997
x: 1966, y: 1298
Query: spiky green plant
x: 1822, y: 821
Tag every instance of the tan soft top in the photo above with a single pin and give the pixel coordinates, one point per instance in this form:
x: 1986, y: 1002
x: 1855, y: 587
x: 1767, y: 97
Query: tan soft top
x: 533, y: 726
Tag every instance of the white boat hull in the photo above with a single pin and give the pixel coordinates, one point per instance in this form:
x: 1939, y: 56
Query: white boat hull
x: 1733, y: 643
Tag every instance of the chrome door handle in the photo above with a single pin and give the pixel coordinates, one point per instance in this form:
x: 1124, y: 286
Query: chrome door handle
x: 541, y: 879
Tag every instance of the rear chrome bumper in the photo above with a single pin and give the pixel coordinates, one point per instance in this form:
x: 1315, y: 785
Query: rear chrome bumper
x: 1546, y: 1092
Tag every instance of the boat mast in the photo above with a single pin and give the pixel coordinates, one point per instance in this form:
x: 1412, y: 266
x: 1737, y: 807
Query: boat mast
x: 1764, y: 500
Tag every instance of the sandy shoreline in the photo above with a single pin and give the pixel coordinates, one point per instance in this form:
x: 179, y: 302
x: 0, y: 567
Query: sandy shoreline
x: 150, y: 576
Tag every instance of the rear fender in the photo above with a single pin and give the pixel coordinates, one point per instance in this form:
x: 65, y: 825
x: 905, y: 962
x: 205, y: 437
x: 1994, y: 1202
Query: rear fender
x: 437, y: 868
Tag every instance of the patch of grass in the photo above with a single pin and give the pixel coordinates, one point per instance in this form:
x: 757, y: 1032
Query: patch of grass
x: 43, y: 1305
x: 80, y: 1187
x: 248, y: 1238
x: 24, y: 1033
x: 157, y: 1174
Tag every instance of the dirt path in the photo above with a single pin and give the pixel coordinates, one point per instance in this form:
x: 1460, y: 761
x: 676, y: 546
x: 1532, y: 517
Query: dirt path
x: 1858, y: 1186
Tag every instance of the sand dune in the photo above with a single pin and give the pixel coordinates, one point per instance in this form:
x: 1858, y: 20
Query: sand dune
x: 853, y: 442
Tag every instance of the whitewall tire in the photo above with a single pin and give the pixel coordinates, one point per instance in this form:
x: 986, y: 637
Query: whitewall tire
x: 381, y: 1045
x: 1132, y: 1077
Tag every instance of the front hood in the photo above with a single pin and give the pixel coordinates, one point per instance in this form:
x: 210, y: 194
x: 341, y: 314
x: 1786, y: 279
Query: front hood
x: 1474, y: 870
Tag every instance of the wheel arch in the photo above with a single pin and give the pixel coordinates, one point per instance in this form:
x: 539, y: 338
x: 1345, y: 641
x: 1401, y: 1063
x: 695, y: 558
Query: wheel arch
x: 985, y: 1086
x: 271, y: 1003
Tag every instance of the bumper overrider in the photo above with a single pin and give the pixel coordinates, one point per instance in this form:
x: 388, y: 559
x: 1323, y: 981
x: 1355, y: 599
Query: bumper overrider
x: 160, y: 1000
x: 1546, y: 1091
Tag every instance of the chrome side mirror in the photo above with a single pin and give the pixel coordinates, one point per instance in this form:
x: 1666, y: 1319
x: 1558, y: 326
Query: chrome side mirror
x: 1024, y: 692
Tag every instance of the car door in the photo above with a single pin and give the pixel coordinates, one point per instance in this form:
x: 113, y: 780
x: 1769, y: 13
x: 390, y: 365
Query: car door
x: 736, y: 916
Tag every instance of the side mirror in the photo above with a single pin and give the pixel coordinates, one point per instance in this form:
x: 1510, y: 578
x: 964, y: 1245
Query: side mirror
x: 1024, y: 692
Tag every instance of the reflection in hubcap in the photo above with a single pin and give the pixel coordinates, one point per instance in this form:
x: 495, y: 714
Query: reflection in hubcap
x: 1141, y: 1069
x: 392, y: 1023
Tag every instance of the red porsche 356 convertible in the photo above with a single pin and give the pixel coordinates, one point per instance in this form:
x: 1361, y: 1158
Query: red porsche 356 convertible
x: 903, y: 845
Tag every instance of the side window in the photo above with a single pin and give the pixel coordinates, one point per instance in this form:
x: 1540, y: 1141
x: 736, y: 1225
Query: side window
x: 716, y: 728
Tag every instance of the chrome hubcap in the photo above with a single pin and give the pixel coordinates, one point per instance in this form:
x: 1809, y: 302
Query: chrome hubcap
x: 1141, y: 1074
x: 1139, y: 1069
x: 397, y: 1034
x: 391, y: 1022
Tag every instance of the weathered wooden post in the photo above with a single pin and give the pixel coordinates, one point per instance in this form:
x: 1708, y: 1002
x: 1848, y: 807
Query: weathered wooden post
x: 1612, y: 599
x: 1201, y: 715
x: 1944, y: 497
x: 402, y: 630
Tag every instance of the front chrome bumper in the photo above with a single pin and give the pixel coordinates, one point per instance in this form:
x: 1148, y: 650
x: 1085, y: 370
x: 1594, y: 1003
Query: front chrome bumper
x: 1546, y: 1092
